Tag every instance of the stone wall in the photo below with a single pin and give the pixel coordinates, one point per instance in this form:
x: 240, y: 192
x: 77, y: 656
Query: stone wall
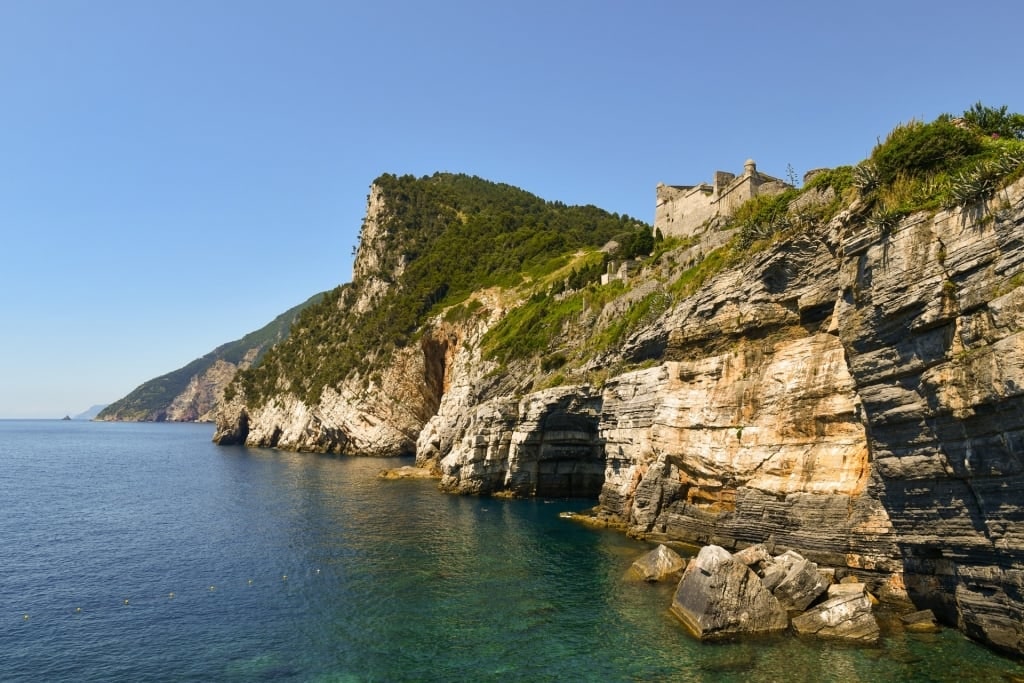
x: 684, y: 210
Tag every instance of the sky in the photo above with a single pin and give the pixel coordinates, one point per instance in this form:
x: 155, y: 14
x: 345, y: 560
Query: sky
x: 176, y: 173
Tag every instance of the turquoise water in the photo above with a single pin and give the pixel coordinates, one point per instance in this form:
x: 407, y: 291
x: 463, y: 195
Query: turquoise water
x: 142, y: 552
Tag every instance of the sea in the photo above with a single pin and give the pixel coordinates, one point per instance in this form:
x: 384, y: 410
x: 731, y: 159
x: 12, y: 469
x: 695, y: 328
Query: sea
x: 143, y: 552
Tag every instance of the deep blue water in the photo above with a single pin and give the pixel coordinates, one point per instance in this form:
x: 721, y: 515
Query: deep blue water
x: 142, y: 552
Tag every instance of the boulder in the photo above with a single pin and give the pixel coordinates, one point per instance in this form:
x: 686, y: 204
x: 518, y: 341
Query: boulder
x: 801, y: 585
x: 719, y: 596
x: 777, y: 568
x: 753, y: 555
x: 660, y: 564
x: 846, y: 615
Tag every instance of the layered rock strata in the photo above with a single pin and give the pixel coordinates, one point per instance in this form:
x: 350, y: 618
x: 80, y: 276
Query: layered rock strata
x: 854, y: 393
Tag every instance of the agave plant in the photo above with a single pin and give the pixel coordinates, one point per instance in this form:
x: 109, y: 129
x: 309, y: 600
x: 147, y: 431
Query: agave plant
x: 886, y: 218
x: 983, y: 180
x: 865, y: 176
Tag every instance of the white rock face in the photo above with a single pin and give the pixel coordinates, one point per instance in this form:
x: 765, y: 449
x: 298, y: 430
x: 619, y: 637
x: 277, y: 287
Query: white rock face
x: 545, y: 444
x: 369, y: 268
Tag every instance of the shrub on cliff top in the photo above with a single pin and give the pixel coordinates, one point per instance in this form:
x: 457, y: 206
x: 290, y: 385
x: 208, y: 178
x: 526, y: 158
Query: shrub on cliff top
x: 918, y: 148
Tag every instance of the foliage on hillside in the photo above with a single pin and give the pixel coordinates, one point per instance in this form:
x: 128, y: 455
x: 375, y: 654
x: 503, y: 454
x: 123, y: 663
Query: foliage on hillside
x: 454, y: 234
x: 150, y: 399
x: 449, y: 235
x: 951, y: 162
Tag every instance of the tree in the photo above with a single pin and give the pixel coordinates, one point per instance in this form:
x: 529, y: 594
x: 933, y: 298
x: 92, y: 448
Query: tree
x: 995, y: 122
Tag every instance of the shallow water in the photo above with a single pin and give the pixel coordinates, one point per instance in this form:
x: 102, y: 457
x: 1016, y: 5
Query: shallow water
x: 143, y: 552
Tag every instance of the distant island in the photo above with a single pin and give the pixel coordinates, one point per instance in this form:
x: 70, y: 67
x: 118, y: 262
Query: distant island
x: 88, y: 414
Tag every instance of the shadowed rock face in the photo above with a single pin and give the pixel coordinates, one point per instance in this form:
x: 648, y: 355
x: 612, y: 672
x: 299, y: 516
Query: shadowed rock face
x: 544, y: 445
x: 935, y: 334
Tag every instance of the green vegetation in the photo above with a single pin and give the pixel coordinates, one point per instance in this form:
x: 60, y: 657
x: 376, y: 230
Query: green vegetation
x: 763, y: 216
x: 693, y: 278
x: 643, y: 312
x: 997, y: 123
x: 528, y: 330
x: 150, y: 399
x: 916, y: 148
x: 946, y: 163
x: 448, y: 235
x: 950, y: 162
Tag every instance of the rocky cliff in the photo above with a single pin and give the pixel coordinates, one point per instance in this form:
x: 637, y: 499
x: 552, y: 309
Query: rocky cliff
x: 842, y: 378
x: 854, y: 393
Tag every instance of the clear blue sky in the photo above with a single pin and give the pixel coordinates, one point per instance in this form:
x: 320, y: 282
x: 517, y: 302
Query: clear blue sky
x: 175, y: 173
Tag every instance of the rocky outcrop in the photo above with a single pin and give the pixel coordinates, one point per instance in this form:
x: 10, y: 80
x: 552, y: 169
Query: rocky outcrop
x: 543, y: 445
x: 846, y: 615
x: 661, y: 564
x: 381, y: 417
x: 719, y: 596
x: 199, y: 401
x: 793, y: 580
x: 376, y: 266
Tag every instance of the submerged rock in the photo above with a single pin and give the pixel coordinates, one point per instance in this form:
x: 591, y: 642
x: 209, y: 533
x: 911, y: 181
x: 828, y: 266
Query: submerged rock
x: 660, y: 564
x: 846, y: 614
x: 921, y: 622
x: 719, y: 596
x: 406, y: 472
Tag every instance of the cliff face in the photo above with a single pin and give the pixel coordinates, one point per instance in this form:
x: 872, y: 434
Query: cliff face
x: 854, y: 393
x: 380, y: 417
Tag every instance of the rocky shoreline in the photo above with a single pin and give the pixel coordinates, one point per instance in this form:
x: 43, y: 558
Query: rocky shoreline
x: 722, y: 595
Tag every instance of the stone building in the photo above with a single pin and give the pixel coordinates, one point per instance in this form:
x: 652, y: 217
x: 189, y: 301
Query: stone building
x: 683, y: 210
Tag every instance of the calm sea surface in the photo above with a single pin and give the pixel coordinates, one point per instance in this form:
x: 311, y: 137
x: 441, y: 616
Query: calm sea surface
x: 142, y: 552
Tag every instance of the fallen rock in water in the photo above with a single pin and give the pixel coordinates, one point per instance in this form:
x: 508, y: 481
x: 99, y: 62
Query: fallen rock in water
x: 719, y: 596
x: 921, y: 622
x: 406, y: 472
x: 846, y: 614
x: 660, y: 564
x: 801, y: 585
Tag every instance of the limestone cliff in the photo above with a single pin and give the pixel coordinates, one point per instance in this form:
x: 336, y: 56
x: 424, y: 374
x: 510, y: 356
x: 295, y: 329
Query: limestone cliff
x: 853, y: 392
x: 366, y: 369
x: 832, y: 376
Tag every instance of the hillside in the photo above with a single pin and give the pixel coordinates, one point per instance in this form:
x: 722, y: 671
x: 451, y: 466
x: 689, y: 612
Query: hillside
x: 191, y: 393
x: 836, y: 369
